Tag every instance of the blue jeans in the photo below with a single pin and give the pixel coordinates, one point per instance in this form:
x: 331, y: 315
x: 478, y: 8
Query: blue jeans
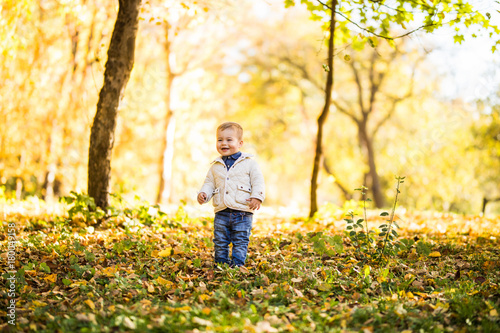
x: 232, y: 226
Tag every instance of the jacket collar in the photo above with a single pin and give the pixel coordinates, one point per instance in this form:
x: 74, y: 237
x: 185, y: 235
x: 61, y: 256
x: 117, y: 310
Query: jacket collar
x: 242, y: 157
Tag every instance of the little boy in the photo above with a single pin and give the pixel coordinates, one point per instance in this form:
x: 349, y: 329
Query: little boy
x: 236, y: 185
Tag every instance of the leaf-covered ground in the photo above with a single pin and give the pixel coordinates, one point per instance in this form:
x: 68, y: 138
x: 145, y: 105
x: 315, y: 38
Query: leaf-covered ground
x: 140, y: 271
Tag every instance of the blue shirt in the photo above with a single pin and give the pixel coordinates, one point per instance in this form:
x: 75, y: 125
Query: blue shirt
x: 229, y: 160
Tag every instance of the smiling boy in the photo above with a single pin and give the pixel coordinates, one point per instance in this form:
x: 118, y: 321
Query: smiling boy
x: 237, y: 187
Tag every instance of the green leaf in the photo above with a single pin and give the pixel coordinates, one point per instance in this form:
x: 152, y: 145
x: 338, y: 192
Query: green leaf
x: 384, y: 214
x: 44, y: 267
x: 458, y: 39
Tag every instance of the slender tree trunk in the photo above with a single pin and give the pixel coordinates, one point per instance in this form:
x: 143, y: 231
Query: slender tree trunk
x: 118, y: 68
x: 167, y: 152
x: 167, y: 157
x: 324, y: 113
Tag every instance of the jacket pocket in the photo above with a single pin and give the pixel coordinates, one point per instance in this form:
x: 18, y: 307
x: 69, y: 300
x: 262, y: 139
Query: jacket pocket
x: 242, y: 194
x: 216, y: 197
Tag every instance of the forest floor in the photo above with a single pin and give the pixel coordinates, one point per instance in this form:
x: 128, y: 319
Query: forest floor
x: 145, y: 271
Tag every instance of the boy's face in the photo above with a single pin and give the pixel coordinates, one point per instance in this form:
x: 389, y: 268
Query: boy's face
x: 228, y: 142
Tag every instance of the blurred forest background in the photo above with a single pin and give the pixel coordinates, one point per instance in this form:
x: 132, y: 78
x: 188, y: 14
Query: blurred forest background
x: 258, y: 63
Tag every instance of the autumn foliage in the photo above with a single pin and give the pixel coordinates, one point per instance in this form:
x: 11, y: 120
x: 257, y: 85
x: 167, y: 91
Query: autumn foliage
x: 143, y: 270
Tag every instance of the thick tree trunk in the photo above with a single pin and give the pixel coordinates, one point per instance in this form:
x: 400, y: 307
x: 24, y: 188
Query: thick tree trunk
x: 167, y: 152
x: 118, y: 68
x: 374, y: 186
x: 324, y: 114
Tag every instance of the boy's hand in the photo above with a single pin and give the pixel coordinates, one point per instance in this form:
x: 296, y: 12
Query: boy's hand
x: 254, y: 203
x: 202, y: 197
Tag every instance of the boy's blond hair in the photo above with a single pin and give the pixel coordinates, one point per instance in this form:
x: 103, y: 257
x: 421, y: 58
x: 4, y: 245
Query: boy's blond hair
x: 237, y: 127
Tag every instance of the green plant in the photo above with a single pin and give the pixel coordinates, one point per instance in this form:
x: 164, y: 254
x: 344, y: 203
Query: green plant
x: 363, y: 240
x: 84, y: 205
x: 369, y: 245
x: 388, y: 230
x: 320, y: 241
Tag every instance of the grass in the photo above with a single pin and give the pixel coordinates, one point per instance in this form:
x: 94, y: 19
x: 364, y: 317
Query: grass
x: 129, y: 275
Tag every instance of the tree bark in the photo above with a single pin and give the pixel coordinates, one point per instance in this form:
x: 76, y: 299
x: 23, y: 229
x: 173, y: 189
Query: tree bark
x: 375, y: 186
x: 324, y: 114
x: 486, y: 201
x: 167, y: 152
x: 118, y: 68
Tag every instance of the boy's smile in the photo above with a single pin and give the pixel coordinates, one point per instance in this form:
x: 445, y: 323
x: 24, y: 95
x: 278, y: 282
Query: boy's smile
x: 228, y: 142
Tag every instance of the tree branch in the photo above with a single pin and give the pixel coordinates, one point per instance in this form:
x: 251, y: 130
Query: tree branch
x: 396, y: 37
x: 344, y: 111
x: 359, y: 86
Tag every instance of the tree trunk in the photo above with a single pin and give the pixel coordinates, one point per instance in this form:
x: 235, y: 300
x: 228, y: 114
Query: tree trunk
x: 167, y: 152
x: 167, y: 157
x: 118, y: 68
x: 486, y: 201
x: 374, y: 186
x: 324, y: 113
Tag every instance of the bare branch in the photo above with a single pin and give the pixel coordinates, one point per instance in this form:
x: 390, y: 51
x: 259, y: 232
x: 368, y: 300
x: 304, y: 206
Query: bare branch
x: 343, y: 110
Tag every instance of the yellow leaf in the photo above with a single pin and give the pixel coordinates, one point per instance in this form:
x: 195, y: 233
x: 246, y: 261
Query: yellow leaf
x: 325, y: 287
x: 109, y: 271
x: 163, y: 282
x: 146, y: 302
x: 435, y: 254
x: 206, y: 311
x: 112, y: 308
x: 494, y: 313
x: 39, y: 304
x: 204, y: 297
x: 151, y: 288
x: 90, y: 304
x: 78, y: 283
x: 165, y: 253
x: 51, y: 278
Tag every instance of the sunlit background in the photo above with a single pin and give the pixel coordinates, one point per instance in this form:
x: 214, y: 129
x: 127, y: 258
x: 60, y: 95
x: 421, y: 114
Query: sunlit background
x: 434, y: 119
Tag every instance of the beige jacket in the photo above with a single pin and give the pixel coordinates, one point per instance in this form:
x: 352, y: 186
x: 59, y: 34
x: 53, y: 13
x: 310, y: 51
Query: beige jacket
x: 231, y: 188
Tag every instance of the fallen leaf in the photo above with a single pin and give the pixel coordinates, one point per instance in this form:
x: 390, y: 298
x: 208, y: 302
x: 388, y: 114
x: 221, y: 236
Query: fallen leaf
x: 165, y: 253
x: 202, y: 322
x: 163, y: 282
x: 435, y: 254
x: 264, y: 327
x: 325, y: 287
x: 298, y: 292
x: 90, y: 304
x: 51, y: 278
x: 128, y: 323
